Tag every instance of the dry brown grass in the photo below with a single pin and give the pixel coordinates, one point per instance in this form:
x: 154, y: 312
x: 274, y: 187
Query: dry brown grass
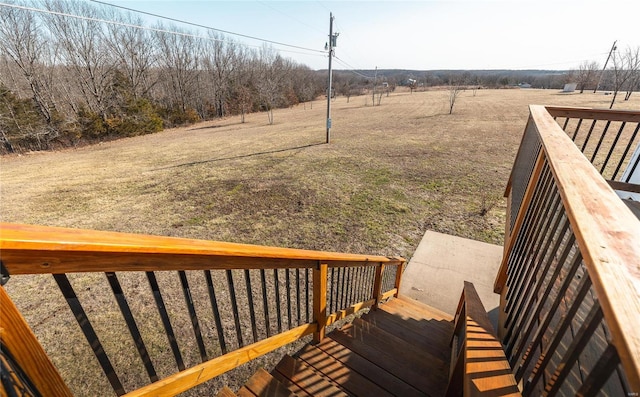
x: 390, y: 173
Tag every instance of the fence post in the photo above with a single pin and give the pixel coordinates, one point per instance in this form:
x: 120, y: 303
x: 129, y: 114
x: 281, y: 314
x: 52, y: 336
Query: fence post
x: 320, y: 300
x: 377, y: 285
x: 399, y: 270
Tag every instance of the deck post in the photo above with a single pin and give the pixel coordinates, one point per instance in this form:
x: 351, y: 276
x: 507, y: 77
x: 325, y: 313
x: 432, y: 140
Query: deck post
x: 399, y: 271
x: 27, y: 352
x: 377, y: 285
x: 320, y: 300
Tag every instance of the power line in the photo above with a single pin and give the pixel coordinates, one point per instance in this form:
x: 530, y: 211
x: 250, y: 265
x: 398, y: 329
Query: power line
x: 207, y: 27
x: 351, y: 69
x: 266, y: 4
x: 130, y: 25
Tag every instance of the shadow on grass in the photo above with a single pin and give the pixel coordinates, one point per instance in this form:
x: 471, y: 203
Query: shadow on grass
x: 242, y: 156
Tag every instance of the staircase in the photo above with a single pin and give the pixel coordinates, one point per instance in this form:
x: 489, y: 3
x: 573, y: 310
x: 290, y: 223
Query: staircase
x: 400, y: 349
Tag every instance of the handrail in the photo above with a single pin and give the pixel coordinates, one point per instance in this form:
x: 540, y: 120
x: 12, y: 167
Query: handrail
x: 478, y: 363
x: 605, y: 230
x: 63, y: 250
x: 342, y: 284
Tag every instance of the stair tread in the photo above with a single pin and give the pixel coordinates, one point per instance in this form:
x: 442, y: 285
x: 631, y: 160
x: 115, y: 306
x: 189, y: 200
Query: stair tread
x: 226, y: 392
x: 262, y: 384
x: 307, y: 379
x: 347, y: 379
x: 389, y: 362
x: 425, y: 336
x: 375, y: 373
x: 424, y: 310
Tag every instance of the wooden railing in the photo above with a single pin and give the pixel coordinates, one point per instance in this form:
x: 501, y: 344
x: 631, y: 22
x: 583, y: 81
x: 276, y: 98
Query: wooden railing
x: 478, y: 364
x: 258, y: 298
x: 570, y: 276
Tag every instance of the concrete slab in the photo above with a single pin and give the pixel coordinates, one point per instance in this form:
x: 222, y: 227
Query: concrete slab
x: 436, y: 273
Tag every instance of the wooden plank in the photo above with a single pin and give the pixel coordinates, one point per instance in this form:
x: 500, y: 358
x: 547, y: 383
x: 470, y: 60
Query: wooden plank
x: 377, y: 285
x: 286, y: 382
x: 373, y: 372
x: 347, y: 379
x: 436, y: 331
x: 308, y: 380
x: 437, y: 347
x: 187, y: 379
x: 388, y: 362
x: 398, y: 281
x: 320, y: 301
x: 262, y: 384
x: 419, y: 306
x: 244, y: 392
x: 30, y: 249
x: 351, y: 310
x: 623, y: 186
x: 593, y: 114
x: 434, y: 370
x: 21, y: 342
x: 608, y: 242
x: 486, y: 369
x: 226, y: 392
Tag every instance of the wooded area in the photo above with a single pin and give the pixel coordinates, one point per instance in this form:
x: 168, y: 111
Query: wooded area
x: 66, y: 80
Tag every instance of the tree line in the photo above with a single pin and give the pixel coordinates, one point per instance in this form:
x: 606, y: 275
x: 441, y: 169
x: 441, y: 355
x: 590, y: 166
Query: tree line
x: 66, y: 81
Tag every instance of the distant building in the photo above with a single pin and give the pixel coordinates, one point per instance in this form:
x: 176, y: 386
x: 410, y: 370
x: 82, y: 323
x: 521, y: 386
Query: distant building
x: 569, y: 87
x: 524, y: 85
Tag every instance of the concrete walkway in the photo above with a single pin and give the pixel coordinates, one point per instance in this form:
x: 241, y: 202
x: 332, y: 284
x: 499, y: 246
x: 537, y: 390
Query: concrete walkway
x: 436, y: 273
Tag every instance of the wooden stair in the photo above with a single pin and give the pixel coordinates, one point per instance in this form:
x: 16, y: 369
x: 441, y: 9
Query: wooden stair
x: 400, y: 349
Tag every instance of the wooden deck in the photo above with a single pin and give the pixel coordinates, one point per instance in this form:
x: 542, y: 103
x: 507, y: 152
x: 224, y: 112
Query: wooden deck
x: 401, y: 349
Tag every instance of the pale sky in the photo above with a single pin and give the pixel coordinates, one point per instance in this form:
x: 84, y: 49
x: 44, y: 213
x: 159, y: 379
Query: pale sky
x: 423, y: 35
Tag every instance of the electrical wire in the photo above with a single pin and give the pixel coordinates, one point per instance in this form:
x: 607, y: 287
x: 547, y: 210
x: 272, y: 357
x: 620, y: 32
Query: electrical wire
x: 351, y: 69
x: 209, y: 27
x: 130, y: 25
x: 266, y: 4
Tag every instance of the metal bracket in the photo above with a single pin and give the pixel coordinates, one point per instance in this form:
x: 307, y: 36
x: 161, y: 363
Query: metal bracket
x: 4, y: 274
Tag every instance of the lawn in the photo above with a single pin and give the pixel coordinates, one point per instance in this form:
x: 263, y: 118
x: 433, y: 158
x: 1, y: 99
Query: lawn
x: 390, y: 173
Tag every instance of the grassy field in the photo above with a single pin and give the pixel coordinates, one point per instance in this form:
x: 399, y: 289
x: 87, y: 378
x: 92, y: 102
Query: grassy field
x: 390, y: 173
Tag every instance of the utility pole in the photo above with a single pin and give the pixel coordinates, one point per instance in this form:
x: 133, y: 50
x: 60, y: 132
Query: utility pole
x: 375, y: 78
x: 613, y: 48
x: 331, y: 44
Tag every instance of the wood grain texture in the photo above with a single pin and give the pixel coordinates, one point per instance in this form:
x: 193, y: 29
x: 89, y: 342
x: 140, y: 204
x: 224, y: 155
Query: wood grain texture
x: 607, y: 234
x: 262, y: 384
x: 26, y: 350
x: 593, y: 114
x: 185, y: 380
x: 320, y: 301
x: 30, y: 249
x: 486, y: 369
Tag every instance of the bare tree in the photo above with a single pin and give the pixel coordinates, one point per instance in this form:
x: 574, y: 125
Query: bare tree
x: 179, y: 67
x: 455, y: 88
x: 84, y: 49
x: 24, y: 41
x: 134, y: 52
x: 586, y: 74
x: 633, y: 63
x: 269, y: 79
x: 623, y: 69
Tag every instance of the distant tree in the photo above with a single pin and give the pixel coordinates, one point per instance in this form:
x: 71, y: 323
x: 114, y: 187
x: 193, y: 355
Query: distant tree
x: 633, y: 63
x: 586, y: 74
x: 455, y: 88
x: 623, y: 69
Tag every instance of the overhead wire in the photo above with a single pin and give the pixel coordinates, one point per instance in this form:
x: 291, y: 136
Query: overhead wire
x: 130, y: 25
x: 266, y: 4
x: 208, y: 27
